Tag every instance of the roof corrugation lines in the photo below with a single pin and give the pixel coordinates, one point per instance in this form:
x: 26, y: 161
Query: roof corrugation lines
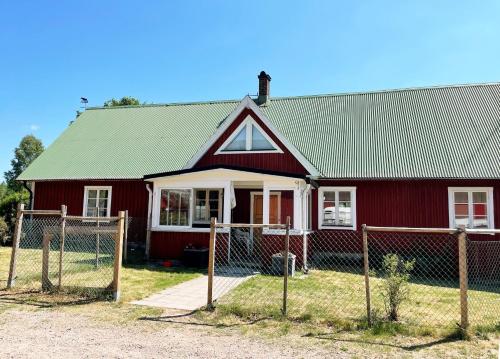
x: 438, y: 132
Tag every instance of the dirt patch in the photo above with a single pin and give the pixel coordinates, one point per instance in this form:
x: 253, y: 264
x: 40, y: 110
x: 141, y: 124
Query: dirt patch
x: 51, y: 334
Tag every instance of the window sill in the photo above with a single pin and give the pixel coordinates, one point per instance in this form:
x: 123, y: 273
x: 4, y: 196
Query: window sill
x: 186, y: 229
x: 337, y: 228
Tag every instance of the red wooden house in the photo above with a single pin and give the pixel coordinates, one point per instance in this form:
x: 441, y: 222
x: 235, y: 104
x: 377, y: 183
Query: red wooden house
x: 423, y: 157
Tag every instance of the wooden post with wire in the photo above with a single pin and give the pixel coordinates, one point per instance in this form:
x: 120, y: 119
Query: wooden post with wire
x: 211, y: 262
x: 285, y: 265
x: 367, y: 275
x: 64, y: 212
x: 118, y: 255
x: 15, y: 245
x: 98, y: 240
x: 462, y: 269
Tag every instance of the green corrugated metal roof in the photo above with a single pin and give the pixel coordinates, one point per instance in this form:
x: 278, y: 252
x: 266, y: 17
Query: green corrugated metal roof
x: 438, y: 132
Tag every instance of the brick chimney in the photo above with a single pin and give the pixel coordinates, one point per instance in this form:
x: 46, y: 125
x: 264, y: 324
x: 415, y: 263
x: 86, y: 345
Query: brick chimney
x: 264, y: 88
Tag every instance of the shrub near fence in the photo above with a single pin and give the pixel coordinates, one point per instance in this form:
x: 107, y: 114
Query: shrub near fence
x: 53, y: 251
x: 410, y: 276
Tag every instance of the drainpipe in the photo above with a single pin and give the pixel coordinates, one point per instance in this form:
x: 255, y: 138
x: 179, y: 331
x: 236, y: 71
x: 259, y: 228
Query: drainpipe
x: 305, y: 230
x: 149, y: 219
x: 25, y: 185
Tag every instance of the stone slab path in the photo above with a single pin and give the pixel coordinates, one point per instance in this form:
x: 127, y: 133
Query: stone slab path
x: 192, y: 295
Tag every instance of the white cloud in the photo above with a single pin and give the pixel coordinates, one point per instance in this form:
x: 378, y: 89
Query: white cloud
x: 34, y: 127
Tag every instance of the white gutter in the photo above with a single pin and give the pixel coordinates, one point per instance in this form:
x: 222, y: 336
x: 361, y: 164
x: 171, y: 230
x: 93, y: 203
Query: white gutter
x: 149, y: 220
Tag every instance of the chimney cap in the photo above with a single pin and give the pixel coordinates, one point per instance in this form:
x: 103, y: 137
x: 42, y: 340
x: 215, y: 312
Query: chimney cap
x: 264, y: 75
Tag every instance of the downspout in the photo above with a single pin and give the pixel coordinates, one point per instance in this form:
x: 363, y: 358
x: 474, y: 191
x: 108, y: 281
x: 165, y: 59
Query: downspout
x: 149, y: 220
x: 25, y: 185
x: 305, y: 230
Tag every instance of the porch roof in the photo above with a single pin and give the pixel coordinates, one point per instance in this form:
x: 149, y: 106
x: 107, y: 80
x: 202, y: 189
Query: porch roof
x: 224, y: 167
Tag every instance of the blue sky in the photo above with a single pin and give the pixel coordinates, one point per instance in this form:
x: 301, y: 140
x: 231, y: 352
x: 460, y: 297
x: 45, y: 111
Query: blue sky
x: 54, y: 52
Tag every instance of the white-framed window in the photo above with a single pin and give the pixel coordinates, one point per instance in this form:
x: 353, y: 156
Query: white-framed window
x: 248, y: 137
x: 97, y: 201
x: 208, y: 203
x: 337, y: 207
x: 471, y: 207
x: 175, y: 208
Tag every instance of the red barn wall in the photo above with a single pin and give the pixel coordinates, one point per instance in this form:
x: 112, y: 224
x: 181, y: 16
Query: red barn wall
x: 128, y: 195
x: 406, y: 203
x: 280, y: 162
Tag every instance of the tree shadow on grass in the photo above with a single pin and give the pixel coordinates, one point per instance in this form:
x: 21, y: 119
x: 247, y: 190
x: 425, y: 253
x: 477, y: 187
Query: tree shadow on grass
x: 45, y: 300
x: 189, y: 319
x: 414, y: 347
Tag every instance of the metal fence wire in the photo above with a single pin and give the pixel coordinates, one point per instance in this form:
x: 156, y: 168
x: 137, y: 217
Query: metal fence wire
x: 411, y: 278
x: 70, y: 254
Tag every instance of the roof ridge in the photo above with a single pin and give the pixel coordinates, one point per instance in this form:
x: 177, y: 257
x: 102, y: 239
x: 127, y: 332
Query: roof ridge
x: 402, y: 89
x: 209, y: 102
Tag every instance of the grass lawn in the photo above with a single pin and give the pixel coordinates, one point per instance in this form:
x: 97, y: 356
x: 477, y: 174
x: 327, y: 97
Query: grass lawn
x: 332, y: 298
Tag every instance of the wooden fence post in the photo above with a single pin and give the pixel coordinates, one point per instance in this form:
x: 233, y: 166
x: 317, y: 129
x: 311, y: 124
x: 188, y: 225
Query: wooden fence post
x: 15, y: 245
x: 125, y: 239
x: 46, y: 283
x: 462, y: 268
x: 285, y: 265
x: 211, y: 262
x: 367, y: 275
x: 118, y: 255
x: 61, y: 243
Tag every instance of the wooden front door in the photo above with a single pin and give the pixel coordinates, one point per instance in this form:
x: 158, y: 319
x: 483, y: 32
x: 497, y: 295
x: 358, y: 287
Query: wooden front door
x: 274, y: 208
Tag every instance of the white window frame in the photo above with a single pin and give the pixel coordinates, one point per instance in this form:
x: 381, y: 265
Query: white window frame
x: 321, y: 192
x: 489, y: 204
x: 248, y: 123
x: 191, y: 208
x: 221, y: 204
x: 97, y: 188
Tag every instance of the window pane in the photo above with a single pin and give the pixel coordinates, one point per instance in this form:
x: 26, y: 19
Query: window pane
x: 461, y: 221
x: 91, y: 203
x: 259, y: 142
x: 329, y: 208
x: 345, y: 215
x: 103, y: 193
x: 479, y: 197
x: 461, y: 210
x: 480, y: 222
x: 200, y: 206
x: 461, y: 197
x: 92, y: 193
x: 103, y: 204
x: 239, y: 142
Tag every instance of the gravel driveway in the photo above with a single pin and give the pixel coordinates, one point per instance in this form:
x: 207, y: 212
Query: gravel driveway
x: 51, y: 334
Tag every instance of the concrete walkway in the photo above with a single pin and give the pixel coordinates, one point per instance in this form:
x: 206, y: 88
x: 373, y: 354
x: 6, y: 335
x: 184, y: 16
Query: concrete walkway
x: 192, y: 295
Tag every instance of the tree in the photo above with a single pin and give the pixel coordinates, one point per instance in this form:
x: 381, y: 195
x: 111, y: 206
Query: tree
x: 124, y: 101
x: 3, y: 190
x: 29, y: 148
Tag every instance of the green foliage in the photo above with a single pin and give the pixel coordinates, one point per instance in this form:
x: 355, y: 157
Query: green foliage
x: 3, y: 190
x: 8, y: 207
x: 394, y: 287
x: 29, y: 148
x: 4, y: 230
x: 124, y: 101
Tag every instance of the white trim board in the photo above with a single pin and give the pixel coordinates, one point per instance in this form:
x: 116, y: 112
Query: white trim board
x: 247, y: 102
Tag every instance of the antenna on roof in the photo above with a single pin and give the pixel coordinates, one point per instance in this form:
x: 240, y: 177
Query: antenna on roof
x: 84, y: 101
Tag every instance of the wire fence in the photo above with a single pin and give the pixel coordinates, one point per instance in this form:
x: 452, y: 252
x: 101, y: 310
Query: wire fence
x: 55, y: 252
x: 408, y: 277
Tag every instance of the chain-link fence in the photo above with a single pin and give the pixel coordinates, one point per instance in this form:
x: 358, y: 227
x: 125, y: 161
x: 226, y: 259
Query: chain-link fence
x: 409, y: 277
x: 53, y: 251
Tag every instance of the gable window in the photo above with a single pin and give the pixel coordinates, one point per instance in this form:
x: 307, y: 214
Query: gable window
x: 174, y: 207
x: 471, y: 207
x: 249, y: 137
x: 207, y: 204
x: 97, y: 201
x: 337, y: 207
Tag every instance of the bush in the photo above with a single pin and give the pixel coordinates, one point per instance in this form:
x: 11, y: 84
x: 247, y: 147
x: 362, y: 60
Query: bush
x: 395, y: 289
x: 8, y: 208
x: 4, y: 231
